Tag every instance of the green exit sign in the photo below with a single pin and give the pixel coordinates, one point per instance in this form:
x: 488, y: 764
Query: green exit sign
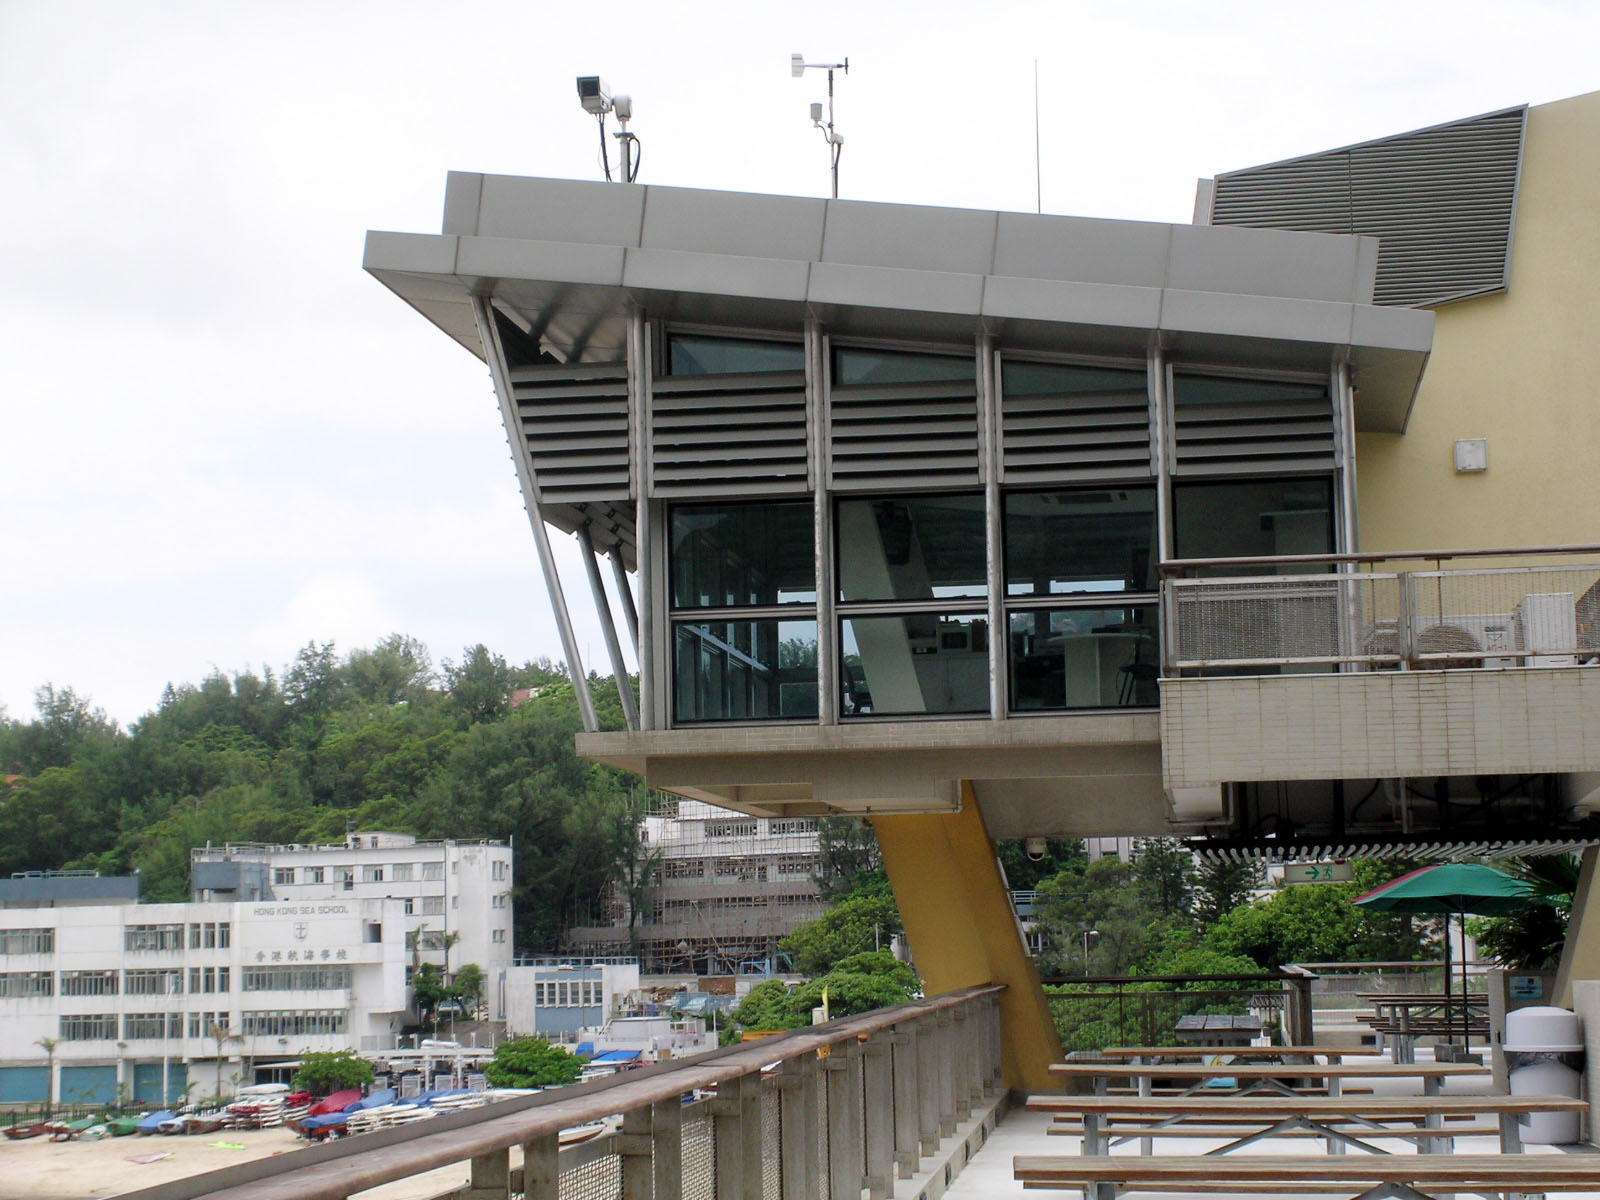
x: 1323, y: 872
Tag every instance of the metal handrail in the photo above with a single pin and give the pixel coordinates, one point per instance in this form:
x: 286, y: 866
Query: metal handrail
x: 1175, y: 566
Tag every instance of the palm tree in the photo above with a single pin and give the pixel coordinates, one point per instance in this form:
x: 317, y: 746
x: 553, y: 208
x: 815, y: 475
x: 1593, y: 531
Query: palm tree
x: 222, y: 1035
x: 48, y: 1045
x: 1532, y: 939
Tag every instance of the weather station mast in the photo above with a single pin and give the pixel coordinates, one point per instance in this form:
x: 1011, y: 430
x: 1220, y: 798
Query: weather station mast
x: 798, y: 66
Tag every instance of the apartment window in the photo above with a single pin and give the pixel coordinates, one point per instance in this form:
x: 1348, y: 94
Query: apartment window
x: 309, y: 1023
x: 345, y: 877
x: 371, y: 874
x: 432, y: 906
x: 282, y: 875
x: 792, y: 825
x: 152, y: 937
x: 208, y: 979
x: 731, y: 829
x: 431, y: 939
x: 684, y: 868
x: 88, y: 1027
x: 498, y: 937
x: 374, y: 932
x: 203, y: 1024
x: 295, y: 979
x: 27, y: 941
x: 223, y: 978
x: 499, y: 869
x: 499, y: 900
x: 314, y: 875
x: 404, y: 872
x: 455, y: 902
x: 22, y: 984
x: 406, y: 904
x: 432, y: 871
x: 145, y: 1026
x: 88, y: 983
x: 152, y: 983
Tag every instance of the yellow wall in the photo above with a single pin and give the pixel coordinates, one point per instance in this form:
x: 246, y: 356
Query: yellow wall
x: 1521, y: 369
x: 959, y: 922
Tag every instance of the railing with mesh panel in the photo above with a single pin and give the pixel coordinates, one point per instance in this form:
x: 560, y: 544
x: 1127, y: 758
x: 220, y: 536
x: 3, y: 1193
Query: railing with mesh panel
x: 821, y: 1113
x: 1382, y: 612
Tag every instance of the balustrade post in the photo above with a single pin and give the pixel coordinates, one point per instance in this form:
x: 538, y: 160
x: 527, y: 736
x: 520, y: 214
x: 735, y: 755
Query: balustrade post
x: 635, y: 1144
x: 799, y: 1125
x: 738, y: 1163
x: 903, y: 1079
x: 845, y: 1143
x: 541, y: 1167
x: 491, y: 1177
x: 927, y: 1050
x: 945, y: 1041
x: 878, y: 1114
x: 666, y: 1136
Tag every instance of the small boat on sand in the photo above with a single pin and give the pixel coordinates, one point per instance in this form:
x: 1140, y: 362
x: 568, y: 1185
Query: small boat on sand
x: 17, y: 1132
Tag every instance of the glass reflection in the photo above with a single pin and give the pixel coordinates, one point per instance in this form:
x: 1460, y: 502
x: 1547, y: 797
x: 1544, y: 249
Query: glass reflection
x: 912, y: 548
x: 856, y: 366
x: 728, y: 555
x: 692, y: 355
x: 1247, y: 518
x: 914, y: 664
x: 744, y: 670
x: 1065, y: 658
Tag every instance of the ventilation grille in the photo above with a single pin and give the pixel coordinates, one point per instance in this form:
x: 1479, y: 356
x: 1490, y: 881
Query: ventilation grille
x: 575, y: 420
x: 1441, y: 201
x: 906, y: 435
x: 1230, y: 427
x: 1077, y: 436
x: 724, y: 434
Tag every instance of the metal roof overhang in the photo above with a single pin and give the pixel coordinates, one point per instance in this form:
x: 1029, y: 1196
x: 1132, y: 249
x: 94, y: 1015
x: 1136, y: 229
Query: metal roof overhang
x: 1180, y: 286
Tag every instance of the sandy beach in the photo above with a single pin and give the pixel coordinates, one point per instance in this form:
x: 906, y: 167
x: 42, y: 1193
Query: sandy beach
x: 38, y: 1169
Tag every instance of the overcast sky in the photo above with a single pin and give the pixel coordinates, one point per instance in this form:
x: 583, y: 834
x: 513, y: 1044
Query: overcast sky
x: 222, y: 440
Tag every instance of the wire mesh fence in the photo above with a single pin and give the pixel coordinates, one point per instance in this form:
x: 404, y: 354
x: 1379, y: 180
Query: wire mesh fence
x: 1093, y: 1015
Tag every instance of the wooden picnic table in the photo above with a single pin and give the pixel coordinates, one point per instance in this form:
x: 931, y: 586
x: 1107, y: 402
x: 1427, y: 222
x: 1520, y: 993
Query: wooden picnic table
x: 1244, y: 1120
x: 1280, y: 1053
x: 1420, y: 1176
x: 1403, y: 1017
x: 1251, y: 1076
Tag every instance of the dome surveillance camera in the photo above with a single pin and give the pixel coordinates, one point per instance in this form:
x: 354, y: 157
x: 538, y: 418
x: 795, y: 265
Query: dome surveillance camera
x: 1035, y: 847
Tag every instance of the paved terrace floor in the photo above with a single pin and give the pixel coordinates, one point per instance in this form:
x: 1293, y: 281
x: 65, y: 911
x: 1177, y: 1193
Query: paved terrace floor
x: 988, y: 1175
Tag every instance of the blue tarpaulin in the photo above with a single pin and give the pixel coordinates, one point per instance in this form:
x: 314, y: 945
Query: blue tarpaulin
x: 617, y: 1056
x: 585, y: 1048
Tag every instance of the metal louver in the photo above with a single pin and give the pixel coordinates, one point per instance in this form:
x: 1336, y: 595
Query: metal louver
x: 575, y: 420
x: 904, y: 435
x: 718, y: 435
x: 1441, y: 201
x: 1094, y: 425
x: 1231, y: 425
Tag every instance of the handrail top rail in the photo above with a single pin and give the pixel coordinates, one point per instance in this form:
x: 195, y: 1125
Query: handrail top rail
x: 1173, y: 567
x: 333, y: 1172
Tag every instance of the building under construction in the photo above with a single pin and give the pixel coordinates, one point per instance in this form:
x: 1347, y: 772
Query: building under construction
x: 724, y: 890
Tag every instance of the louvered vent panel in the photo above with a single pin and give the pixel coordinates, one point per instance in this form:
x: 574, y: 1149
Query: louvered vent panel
x: 1070, y: 436
x: 575, y: 419
x: 1228, y: 427
x: 717, y: 435
x: 905, y: 435
x: 1440, y: 200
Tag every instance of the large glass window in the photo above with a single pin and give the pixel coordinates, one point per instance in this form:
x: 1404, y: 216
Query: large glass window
x: 1079, y: 542
x: 912, y: 548
x: 1064, y: 658
x: 729, y: 555
x: 914, y: 663
x: 692, y: 354
x: 1249, y: 518
x: 744, y: 670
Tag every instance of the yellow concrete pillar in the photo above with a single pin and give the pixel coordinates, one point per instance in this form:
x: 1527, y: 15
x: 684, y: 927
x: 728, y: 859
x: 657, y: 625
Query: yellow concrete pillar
x: 958, y: 920
x: 1580, y: 956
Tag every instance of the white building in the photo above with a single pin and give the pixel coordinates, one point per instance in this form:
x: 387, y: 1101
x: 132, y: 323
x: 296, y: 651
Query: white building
x: 455, y: 895
x: 557, y: 999
x: 134, y: 995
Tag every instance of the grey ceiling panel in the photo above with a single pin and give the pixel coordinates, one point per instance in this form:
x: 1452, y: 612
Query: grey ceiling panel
x: 1441, y: 201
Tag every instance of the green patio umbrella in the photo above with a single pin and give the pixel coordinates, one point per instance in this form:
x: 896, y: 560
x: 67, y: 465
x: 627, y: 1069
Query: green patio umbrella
x: 1459, y: 888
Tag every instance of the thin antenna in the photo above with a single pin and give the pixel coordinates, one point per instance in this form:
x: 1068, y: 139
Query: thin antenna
x: 1038, y: 184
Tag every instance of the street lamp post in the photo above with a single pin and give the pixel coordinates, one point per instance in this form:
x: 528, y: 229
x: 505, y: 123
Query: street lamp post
x: 1087, y: 934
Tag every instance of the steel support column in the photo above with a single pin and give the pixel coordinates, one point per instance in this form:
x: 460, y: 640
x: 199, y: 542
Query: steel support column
x: 608, y: 628
x: 495, y: 358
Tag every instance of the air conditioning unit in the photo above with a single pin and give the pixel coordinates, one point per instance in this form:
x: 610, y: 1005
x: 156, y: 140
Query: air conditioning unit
x: 1548, y: 624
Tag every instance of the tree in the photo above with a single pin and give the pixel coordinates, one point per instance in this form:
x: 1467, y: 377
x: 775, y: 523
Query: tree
x: 1024, y: 871
x: 324, y: 1072
x: 48, y: 1045
x: 861, y: 923
x: 470, y: 982
x: 1164, y: 868
x: 1221, y: 886
x: 769, y: 1006
x: 847, y: 856
x: 1103, y: 919
x: 222, y: 1035
x: 530, y: 1062
x: 1533, y: 939
x: 859, y: 983
x: 428, y: 991
x: 480, y: 685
